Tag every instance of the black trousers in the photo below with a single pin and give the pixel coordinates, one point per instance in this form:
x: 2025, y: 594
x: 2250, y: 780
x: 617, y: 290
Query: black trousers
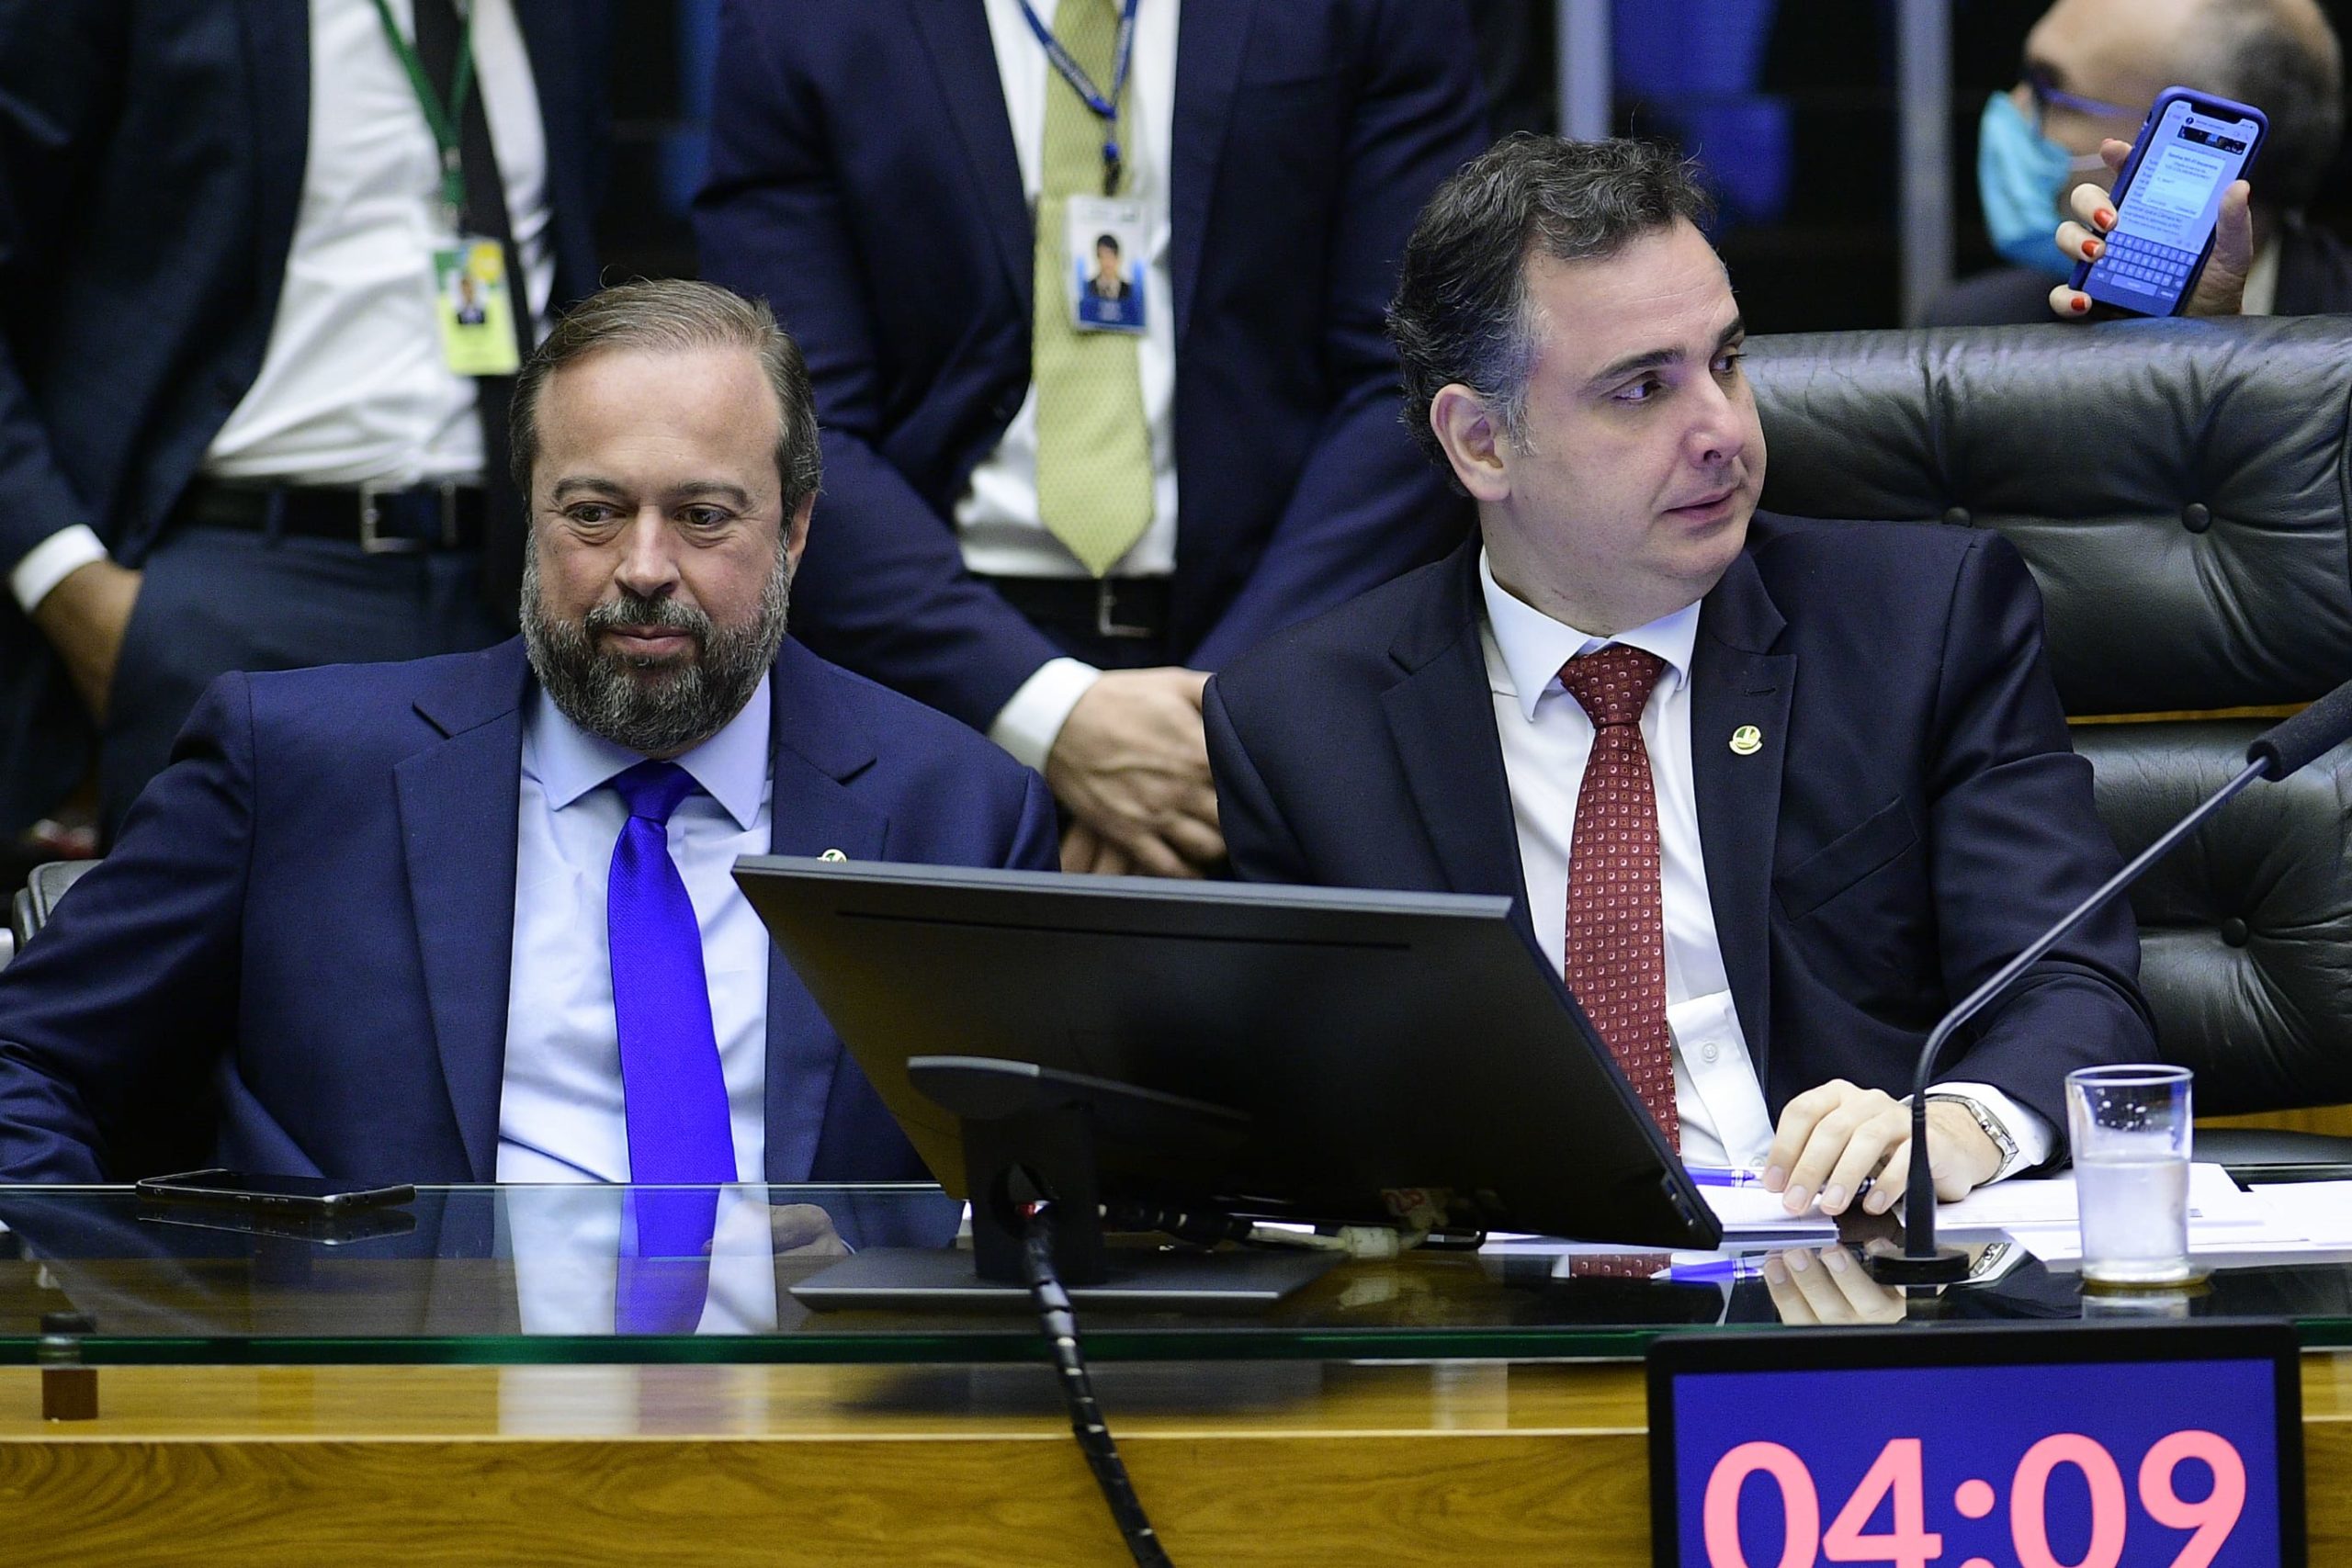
x: 220, y: 598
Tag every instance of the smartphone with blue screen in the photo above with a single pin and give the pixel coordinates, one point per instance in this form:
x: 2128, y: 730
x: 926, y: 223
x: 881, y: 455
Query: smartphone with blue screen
x: 2168, y: 200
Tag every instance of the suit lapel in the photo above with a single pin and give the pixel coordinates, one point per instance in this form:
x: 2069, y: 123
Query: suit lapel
x: 817, y: 750
x: 278, y: 86
x: 1735, y: 683
x: 458, y: 809
x: 1442, y: 716
x: 1212, y: 38
x: 962, y: 53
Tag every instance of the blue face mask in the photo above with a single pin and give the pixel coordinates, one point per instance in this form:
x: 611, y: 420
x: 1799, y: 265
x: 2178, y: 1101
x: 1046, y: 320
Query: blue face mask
x: 2020, y: 175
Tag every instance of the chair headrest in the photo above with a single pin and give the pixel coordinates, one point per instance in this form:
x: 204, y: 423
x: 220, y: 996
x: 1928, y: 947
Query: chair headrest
x: 2179, y: 488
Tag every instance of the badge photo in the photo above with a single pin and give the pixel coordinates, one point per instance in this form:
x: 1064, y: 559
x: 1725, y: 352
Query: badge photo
x: 1106, y: 238
x: 476, y: 315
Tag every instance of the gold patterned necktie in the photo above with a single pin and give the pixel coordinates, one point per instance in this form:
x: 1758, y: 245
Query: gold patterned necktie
x: 1094, y: 483
x: 1616, y: 946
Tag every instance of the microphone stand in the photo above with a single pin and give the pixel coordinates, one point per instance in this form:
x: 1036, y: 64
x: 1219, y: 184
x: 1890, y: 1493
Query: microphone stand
x: 1921, y: 1262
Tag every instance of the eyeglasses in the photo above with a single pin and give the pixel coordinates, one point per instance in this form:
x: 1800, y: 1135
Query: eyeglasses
x: 2048, y: 94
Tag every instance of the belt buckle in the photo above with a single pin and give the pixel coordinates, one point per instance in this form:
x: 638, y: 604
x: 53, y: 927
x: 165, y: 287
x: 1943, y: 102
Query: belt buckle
x: 1105, y: 607
x: 374, y: 542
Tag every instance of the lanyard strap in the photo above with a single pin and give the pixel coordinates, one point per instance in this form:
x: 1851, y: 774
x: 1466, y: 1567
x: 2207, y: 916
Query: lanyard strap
x: 1105, y: 108
x: 443, y: 120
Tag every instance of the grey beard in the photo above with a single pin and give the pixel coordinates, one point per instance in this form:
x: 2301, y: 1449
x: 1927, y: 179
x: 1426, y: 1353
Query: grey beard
x: 654, y: 709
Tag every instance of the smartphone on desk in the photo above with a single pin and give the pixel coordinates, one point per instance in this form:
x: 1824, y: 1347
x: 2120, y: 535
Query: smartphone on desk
x: 2169, y: 201
x: 312, y: 1195
x: 331, y: 1230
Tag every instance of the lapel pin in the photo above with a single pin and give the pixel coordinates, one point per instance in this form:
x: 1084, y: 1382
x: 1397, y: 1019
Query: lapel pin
x: 832, y: 854
x: 1747, y: 740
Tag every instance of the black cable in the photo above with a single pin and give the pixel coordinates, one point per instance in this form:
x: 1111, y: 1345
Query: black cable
x: 1195, y: 1227
x: 1078, y: 1391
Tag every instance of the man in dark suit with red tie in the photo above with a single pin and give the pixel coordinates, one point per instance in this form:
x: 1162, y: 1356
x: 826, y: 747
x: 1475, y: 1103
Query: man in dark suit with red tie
x: 1770, y: 795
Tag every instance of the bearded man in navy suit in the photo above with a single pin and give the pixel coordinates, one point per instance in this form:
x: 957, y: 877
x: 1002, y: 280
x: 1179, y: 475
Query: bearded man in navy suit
x: 1770, y: 795
x: 369, y: 923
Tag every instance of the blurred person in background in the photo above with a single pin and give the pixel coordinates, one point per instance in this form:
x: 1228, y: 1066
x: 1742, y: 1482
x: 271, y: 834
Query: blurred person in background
x: 243, y: 424
x: 916, y: 188
x: 2092, y: 67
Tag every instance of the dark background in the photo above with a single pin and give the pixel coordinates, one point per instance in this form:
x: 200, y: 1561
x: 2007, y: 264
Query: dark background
x: 1758, y: 89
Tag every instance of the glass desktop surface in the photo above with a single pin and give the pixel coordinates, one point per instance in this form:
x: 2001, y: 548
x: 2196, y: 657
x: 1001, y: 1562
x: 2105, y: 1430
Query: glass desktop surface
x: 522, y: 1275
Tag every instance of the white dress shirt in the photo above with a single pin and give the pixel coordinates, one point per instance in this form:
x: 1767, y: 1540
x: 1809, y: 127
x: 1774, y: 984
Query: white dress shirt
x: 561, y: 1113
x: 352, y: 388
x: 1546, y: 741
x: 566, y: 1246
x: 998, y: 519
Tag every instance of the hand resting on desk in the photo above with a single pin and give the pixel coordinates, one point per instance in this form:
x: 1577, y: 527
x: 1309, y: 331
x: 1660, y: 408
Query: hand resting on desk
x: 1830, y: 1138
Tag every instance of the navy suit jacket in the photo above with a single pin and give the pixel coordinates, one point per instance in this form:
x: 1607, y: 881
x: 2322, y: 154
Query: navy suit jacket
x: 1914, y: 817
x: 151, y: 168
x: 864, y: 180
x: 297, y: 958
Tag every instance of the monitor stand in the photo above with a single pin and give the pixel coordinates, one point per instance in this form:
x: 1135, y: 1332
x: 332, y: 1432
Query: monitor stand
x: 1029, y: 1132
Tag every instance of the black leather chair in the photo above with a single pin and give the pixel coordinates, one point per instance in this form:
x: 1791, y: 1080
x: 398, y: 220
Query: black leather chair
x: 30, y: 910
x: 2180, y: 491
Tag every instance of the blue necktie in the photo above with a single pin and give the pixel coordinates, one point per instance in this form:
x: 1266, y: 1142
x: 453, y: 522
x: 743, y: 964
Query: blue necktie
x: 674, y: 1094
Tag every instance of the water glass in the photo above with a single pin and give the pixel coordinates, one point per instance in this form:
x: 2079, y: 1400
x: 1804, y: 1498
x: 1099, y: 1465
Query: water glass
x: 2130, y: 1128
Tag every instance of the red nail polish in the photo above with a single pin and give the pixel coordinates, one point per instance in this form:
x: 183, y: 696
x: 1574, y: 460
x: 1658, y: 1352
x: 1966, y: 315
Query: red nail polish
x: 2107, y: 218
x: 2093, y: 249
x: 2082, y: 302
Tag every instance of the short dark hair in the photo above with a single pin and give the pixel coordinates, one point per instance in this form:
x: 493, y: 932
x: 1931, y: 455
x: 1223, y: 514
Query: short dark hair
x: 2284, y: 60
x: 1108, y: 242
x: 672, y: 314
x: 1461, y: 312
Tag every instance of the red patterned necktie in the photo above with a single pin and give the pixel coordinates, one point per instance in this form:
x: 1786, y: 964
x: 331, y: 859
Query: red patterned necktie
x: 1616, y: 947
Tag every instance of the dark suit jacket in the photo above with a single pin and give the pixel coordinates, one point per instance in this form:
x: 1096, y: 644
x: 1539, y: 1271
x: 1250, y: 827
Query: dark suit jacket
x: 151, y: 166
x: 1913, y: 820
x: 308, y: 922
x: 2314, y: 279
x: 864, y: 180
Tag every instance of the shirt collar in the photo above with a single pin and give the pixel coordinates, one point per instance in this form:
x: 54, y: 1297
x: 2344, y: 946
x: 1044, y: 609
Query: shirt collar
x: 1534, y: 646
x: 731, y: 766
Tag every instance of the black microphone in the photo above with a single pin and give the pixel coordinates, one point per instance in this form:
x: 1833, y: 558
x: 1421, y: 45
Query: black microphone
x: 2279, y: 750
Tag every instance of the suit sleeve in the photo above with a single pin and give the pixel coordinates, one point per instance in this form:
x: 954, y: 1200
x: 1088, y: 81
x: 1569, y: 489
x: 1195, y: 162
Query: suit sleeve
x: 2016, y: 844
x: 110, y: 1017
x: 1036, y: 842
x: 882, y: 582
x: 61, y: 69
x: 1367, y: 506
x: 1257, y: 839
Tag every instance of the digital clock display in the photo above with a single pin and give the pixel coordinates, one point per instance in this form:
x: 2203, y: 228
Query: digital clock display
x: 2066, y: 1447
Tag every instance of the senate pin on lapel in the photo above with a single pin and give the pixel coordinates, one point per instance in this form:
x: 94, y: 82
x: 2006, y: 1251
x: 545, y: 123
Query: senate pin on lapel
x: 1747, y: 740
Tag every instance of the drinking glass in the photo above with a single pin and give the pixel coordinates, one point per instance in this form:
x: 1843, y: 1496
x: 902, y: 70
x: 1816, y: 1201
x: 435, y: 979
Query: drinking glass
x: 2130, y: 1128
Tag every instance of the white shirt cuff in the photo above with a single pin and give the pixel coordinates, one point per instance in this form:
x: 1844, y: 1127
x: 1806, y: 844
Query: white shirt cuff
x: 1029, y: 724
x: 2035, y: 1138
x: 50, y: 562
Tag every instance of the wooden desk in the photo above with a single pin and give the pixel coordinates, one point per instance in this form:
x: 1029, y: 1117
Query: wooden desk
x: 1242, y: 1464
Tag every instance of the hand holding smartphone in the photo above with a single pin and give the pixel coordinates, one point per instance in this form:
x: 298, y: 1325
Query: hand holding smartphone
x: 2167, y: 202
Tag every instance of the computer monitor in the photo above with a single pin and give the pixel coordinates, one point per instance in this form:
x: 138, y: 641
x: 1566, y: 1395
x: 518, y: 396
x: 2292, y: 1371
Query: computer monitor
x: 1382, y: 1047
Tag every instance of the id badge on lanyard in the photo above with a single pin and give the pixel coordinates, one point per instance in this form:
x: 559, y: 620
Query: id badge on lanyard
x: 1103, y: 236
x: 475, y: 308
x: 472, y: 289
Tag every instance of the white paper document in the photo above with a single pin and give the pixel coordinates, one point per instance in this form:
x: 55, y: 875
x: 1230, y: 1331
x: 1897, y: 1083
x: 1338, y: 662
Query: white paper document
x: 2038, y: 1203
x: 2321, y: 1211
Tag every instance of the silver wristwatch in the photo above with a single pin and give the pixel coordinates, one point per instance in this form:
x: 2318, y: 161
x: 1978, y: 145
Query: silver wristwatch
x: 2006, y: 1144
